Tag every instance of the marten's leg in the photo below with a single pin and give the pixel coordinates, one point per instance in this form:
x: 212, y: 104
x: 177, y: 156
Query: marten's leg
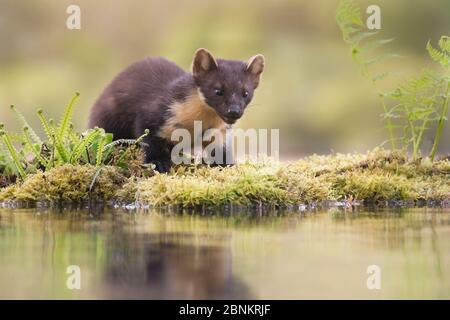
x: 224, y: 144
x: 225, y: 159
x: 157, y: 151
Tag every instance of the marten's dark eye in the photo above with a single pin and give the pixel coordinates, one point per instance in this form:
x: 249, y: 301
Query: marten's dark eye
x: 245, y: 94
x: 218, y: 92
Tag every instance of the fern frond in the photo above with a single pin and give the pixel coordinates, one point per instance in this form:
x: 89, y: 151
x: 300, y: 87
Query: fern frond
x: 441, y: 57
x: 360, y: 36
x: 67, y: 116
x: 349, y: 19
x: 129, y: 141
x: 444, y: 43
x: 139, y: 139
x: 380, y: 76
x: 13, y: 153
x: 14, y: 137
x: 83, y: 144
x: 24, y: 121
x: 73, y: 137
x: 100, y: 151
x: 45, y: 125
x: 119, y: 142
x: 29, y: 143
x: 7, y: 166
x: 58, y: 142
x: 372, y: 45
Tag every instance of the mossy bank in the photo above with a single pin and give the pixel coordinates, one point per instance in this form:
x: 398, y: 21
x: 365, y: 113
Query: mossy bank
x: 375, y: 177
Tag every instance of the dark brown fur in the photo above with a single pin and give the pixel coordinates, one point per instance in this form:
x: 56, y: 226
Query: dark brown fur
x: 156, y: 94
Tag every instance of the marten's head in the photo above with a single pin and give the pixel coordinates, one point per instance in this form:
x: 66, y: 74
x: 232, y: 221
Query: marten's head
x: 226, y: 85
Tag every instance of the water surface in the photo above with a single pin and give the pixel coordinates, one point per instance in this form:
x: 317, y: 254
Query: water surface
x: 153, y: 255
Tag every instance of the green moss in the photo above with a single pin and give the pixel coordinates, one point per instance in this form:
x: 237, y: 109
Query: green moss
x: 304, y: 185
x: 373, y: 186
x: 127, y: 193
x: 377, y: 176
x: 242, y: 185
x: 7, y: 193
x: 67, y: 183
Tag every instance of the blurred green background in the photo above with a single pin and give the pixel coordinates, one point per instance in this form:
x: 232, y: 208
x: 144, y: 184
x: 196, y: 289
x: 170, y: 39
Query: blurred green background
x: 311, y: 90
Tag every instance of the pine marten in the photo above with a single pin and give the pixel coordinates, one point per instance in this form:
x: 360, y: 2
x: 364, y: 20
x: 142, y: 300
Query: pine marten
x: 156, y: 94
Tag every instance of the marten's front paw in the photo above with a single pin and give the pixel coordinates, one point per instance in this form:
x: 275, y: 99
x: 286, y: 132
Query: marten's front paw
x: 162, y: 166
x: 222, y: 165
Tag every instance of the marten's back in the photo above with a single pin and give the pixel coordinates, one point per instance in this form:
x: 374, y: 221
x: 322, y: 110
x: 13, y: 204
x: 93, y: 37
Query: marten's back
x: 136, y: 89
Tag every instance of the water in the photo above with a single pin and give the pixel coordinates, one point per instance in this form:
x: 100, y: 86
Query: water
x: 322, y: 254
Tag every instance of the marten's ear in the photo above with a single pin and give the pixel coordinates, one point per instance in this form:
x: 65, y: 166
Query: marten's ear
x: 255, y: 67
x: 203, y: 63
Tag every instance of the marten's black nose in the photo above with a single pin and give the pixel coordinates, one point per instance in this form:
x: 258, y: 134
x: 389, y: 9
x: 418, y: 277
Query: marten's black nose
x: 234, y: 112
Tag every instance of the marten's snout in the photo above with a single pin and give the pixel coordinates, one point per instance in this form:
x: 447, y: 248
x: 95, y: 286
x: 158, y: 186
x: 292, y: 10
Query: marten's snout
x: 233, y: 113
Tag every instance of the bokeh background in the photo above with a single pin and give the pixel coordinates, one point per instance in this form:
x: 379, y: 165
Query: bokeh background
x: 311, y: 90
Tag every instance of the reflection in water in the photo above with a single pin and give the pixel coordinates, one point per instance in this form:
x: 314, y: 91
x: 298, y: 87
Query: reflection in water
x: 323, y: 254
x: 169, y: 266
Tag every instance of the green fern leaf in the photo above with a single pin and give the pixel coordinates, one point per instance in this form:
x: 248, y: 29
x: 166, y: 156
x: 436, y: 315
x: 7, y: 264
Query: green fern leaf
x: 22, y: 119
x: 83, y: 144
x: 349, y: 19
x: 58, y: 142
x: 100, y: 151
x: 35, y: 150
x: 15, y: 156
x: 67, y: 116
x: 444, y: 43
x: 441, y: 57
x: 45, y: 125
